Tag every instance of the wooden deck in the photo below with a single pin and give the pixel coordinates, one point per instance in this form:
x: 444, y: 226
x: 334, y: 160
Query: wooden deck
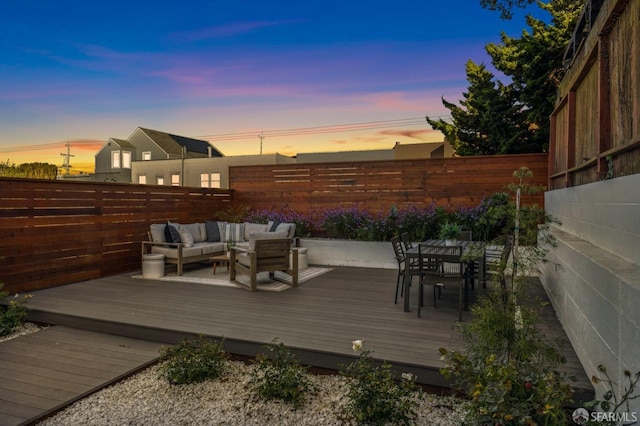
x: 320, y: 318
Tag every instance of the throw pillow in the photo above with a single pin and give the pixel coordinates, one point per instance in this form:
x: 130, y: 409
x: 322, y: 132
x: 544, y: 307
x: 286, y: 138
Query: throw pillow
x: 234, y: 232
x: 185, y: 237
x: 273, y: 225
x: 171, y: 234
x: 283, y: 227
x: 213, y: 231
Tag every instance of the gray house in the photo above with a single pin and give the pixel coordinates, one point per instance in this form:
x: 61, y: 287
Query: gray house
x: 115, y: 159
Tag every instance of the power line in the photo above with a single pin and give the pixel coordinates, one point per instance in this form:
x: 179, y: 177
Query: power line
x: 335, y: 128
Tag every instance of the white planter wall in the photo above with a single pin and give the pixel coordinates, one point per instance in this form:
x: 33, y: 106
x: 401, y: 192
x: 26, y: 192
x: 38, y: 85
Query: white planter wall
x: 367, y: 254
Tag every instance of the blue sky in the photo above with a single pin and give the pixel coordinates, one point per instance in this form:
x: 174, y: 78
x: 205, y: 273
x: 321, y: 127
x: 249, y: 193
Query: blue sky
x: 84, y: 71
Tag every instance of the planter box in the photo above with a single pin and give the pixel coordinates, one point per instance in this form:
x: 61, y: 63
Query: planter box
x: 366, y: 254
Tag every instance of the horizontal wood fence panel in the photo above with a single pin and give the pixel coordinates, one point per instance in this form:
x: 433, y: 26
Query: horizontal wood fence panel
x: 377, y: 185
x: 58, y: 232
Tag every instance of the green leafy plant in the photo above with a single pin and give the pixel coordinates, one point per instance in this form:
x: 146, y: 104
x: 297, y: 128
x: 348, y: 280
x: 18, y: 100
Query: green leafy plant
x: 374, y: 396
x: 193, y: 361
x: 509, y: 369
x: 14, y: 313
x: 611, y: 402
x: 449, y: 231
x: 280, y: 376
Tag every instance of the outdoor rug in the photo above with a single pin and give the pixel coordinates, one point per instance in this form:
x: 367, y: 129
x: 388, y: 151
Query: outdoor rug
x: 221, y: 278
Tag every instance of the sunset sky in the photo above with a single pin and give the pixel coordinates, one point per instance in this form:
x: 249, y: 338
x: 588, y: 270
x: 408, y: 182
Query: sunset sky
x: 312, y: 75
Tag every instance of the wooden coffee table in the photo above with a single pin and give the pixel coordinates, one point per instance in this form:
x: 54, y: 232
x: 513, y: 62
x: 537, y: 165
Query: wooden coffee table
x: 222, y: 259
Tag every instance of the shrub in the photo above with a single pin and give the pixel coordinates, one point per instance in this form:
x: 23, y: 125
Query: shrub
x: 193, y: 361
x: 304, y: 224
x: 12, y: 315
x: 280, y: 376
x: 374, y: 397
x: 509, y: 368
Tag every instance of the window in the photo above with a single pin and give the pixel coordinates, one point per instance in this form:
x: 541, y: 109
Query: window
x: 210, y: 180
x: 175, y: 179
x: 142, y: 179
x: 115, y: 159
x: 126, y: 159
x: 146, y: 156
x: 215, y: 180
x: 160, y: 180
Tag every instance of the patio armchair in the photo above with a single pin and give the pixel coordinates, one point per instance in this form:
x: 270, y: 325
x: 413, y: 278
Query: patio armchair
x: 264, y: 255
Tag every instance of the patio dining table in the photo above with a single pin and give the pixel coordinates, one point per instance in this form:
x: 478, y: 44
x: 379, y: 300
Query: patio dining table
x: 472, y: 252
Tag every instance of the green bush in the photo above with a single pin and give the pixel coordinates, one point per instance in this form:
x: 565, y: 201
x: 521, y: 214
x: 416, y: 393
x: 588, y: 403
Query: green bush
x: 193, y: 361
x: 280, y: 376
x: 12, y: 315
x: 509, y: 369
x: 374, y: 397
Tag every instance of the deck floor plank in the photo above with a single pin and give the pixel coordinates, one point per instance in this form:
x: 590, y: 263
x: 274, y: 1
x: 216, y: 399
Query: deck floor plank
x: 320, y: 319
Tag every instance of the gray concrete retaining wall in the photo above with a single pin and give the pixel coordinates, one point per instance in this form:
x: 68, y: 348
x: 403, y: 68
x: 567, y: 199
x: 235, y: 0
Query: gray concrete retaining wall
x: 593, y: 276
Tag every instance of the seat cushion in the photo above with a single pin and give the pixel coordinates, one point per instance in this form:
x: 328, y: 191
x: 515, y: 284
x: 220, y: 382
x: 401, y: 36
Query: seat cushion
x: 250, y: 228
x: 265, y: 236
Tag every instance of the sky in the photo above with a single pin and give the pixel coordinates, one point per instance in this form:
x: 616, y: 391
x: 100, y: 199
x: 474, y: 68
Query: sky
x: 310, y: 76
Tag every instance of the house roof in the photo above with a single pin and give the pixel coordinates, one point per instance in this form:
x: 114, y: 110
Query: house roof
x: 173, y: 144
x: 123, y: 143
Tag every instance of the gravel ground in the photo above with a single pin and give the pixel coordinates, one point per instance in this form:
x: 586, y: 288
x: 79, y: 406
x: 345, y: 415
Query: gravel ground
x: 147, y: 399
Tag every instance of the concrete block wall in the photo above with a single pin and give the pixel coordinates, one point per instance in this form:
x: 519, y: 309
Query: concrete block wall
x: 593, y: 276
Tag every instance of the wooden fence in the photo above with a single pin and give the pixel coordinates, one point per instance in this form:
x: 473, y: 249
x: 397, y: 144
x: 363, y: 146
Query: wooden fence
x: 377, y: 185
x: 595, y: 128
x: 56, y: 232
x: 59, y: 232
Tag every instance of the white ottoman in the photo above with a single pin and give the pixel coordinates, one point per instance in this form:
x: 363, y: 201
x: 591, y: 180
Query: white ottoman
x: 152, y: 265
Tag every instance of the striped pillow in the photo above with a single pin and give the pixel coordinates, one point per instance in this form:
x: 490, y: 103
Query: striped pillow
x: 234, y: 232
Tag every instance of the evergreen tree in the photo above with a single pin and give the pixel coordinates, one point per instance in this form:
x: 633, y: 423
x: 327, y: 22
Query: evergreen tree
x: 489, y: 123
x: 497, y: 118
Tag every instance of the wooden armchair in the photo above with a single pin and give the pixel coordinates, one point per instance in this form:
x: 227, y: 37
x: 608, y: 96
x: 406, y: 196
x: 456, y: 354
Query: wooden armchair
x: 264, y: 255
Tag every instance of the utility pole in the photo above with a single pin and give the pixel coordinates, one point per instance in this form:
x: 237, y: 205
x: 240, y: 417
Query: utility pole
x: 67, y: 156
x: 261, y: 136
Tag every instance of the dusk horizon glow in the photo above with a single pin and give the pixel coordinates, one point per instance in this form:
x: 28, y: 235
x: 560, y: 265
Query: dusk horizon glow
x: 86, y: 72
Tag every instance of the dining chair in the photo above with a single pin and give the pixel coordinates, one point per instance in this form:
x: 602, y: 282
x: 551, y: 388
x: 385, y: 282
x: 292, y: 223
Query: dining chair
x: 439, y: 267
x: 402, y: 264
x: 496, y: 259
x: 472, y: 268
x: 406, y: 241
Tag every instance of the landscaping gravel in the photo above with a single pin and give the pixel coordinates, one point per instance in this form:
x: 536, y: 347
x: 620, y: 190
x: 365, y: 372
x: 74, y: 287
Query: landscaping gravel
x: 148, y: 399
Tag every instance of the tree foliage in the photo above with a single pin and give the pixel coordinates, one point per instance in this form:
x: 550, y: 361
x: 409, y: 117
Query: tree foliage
x: 505, y: 6
x: 29, y: 170
x: 513, y: 117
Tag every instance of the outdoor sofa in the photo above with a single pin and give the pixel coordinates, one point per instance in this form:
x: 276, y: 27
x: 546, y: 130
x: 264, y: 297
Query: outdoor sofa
x: 196, y: 242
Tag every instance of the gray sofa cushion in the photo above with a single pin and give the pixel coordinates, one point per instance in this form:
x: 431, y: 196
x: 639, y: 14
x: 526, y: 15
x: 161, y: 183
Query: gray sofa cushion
x: 250, y: 228
x: 264, y: 236
x: 157, y: 232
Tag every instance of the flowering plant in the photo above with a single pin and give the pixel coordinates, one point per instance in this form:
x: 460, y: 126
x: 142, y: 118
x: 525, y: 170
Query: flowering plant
x: 374, y: 397
x: 13, y: 315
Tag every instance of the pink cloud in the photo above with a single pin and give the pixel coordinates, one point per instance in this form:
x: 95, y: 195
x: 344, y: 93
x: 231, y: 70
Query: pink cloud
x: 228, y: 30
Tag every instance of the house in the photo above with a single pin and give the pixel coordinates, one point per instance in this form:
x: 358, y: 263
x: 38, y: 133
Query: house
x: 114, y: 161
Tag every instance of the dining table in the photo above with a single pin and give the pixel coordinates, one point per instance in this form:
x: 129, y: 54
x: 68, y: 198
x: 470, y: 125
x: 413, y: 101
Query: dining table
x: 472, y: 253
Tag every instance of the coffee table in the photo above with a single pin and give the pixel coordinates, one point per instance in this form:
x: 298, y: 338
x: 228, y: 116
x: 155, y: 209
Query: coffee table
x: 221, y: 259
